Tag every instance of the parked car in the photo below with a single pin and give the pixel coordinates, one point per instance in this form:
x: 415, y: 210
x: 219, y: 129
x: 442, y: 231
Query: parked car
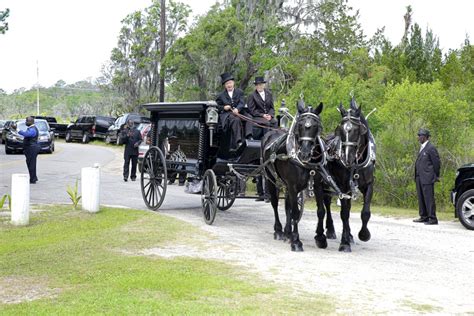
x: 462, y: 195
x: 4, y: 130
x: 114, y: 130
x: 89, y: 127
x: 58, y: 129
x: 14, y: 141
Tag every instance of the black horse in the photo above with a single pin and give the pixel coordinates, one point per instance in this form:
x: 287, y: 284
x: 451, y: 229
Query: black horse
x: 287, y: 169
x: 352, y: 166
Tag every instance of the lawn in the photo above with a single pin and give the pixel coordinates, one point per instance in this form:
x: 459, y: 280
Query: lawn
x: 80, y: 263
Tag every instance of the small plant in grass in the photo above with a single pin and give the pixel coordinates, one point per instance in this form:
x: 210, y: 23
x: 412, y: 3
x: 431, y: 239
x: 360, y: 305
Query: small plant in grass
x: 3, y: 199
x: 73, y: 195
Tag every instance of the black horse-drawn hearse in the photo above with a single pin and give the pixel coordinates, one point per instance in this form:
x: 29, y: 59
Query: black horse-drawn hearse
x: 186, y: 139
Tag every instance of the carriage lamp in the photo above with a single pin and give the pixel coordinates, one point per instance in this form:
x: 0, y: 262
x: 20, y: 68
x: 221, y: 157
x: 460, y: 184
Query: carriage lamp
x: 284, y: 115
x: 212, y: 118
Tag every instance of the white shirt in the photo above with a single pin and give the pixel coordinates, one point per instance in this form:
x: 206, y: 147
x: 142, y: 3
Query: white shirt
x: 262, y: 94
x: 230, y: 93
x: 423, y: 145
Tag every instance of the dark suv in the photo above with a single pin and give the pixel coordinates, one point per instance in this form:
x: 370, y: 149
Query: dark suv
x: 117, y: 127
x: 86, y: 128
x: 462, y: 195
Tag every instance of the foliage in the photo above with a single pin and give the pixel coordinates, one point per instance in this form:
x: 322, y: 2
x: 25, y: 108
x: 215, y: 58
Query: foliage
x: 3, y: 199
x: 3, y: 16
x: 64, y: 101
x: 91, y: 264
x: 408, y: 107
x: 74, y: 195
x: 135, y: 62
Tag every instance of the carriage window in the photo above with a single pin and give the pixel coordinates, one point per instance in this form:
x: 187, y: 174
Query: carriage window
x: 180, y: 133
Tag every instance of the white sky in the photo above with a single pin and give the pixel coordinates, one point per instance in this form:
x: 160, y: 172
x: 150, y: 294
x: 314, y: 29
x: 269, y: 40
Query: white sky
x: 72, y: 39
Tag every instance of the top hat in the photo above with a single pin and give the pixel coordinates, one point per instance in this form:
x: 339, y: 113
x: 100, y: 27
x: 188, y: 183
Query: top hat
x: 424, y: 132
x: 259, y: 80
x: 226, y: 77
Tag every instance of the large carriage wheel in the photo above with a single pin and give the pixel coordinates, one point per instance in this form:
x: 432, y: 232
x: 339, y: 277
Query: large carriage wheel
x: 226, y: 193
x: 300, y: 200
x: 153, y: 178
x: 209, y: 196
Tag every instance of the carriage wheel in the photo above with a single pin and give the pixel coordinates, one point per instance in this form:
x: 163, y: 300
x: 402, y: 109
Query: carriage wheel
x: 300, y: 200
x: 226, y: 193
x: 153, y: 178
x: 209, y: 196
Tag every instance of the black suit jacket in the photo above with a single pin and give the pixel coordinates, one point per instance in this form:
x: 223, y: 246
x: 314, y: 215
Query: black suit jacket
x: 237, y: 101
x: 131, y: 138
x: 258, y: 107
x: 427, y: 164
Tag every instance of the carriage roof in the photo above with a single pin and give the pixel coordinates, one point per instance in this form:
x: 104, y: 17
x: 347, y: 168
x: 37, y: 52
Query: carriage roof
x: 180, y: 108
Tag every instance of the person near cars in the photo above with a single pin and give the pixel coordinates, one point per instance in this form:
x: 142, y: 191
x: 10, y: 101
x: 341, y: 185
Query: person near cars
x: 131, y: 138
x: 31, y: 147
x: 260, y: 104
x: 231, y: 103
x: 427, y: 168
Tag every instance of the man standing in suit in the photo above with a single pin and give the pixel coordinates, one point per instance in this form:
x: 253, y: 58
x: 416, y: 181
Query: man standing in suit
x: 427, y: 168
x: 131, y: 138
x: 231, y: 102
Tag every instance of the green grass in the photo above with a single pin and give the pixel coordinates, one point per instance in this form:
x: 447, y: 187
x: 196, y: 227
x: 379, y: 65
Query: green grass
x: 89, y: 259
x: 422, y: 308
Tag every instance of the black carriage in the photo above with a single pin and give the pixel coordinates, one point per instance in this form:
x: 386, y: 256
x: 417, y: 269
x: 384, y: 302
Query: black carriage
x: 186, y: 141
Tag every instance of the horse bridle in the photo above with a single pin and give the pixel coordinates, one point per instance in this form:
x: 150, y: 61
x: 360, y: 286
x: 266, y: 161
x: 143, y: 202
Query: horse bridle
x: 349, y: 119
x: 318, y: 121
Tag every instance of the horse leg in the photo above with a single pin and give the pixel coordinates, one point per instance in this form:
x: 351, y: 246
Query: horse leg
x: 273, y: 191
x: 345, y: 245
x: 320, y: 238
x: 287, y: 230
x: 364, y: 234
x: 330, y: 231
x: 296, y: 244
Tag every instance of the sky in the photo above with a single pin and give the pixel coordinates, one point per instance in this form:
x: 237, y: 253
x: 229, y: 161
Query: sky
x: 72, y: 39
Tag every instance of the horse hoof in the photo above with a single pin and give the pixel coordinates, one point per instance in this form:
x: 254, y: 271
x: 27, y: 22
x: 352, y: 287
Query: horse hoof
x: 344, y: 248
x: 296, y: 248
x: 364, y: 235
x: 330, y: 234
x: 278, y: 236
x: 321, y: 242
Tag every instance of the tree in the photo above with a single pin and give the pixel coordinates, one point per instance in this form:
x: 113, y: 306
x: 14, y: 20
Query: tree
x: 3, y: 16
x: 135, y: 62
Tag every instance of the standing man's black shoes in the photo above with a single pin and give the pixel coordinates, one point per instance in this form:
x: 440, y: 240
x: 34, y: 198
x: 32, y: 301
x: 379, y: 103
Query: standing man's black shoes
x: 124, y: 179
x: 431, y: 222
x: 420, y: 220
x: 260, y: 198
x: 134, y: 179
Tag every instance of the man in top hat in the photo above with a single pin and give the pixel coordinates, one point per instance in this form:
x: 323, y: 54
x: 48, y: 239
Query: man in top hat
x: 231, y: 102
x: 427, y: 167
x: 260, y: 104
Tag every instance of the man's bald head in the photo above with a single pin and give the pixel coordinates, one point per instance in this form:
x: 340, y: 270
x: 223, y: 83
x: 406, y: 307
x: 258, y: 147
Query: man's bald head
x: 30, y: 120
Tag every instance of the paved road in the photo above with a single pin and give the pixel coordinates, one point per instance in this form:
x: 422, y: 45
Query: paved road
x: 405, y: 268
x: 58, y: 170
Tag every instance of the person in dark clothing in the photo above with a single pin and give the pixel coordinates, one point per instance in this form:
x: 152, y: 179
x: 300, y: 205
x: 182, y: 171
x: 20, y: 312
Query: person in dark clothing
x: 229, y: 103
x: 261, y: 107
x: 131, y: 138
x: 427, y: 168
x: 260, y: 104
x: 31, y: 147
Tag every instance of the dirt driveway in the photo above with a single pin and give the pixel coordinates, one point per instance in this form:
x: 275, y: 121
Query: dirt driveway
x: 405, y: 267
